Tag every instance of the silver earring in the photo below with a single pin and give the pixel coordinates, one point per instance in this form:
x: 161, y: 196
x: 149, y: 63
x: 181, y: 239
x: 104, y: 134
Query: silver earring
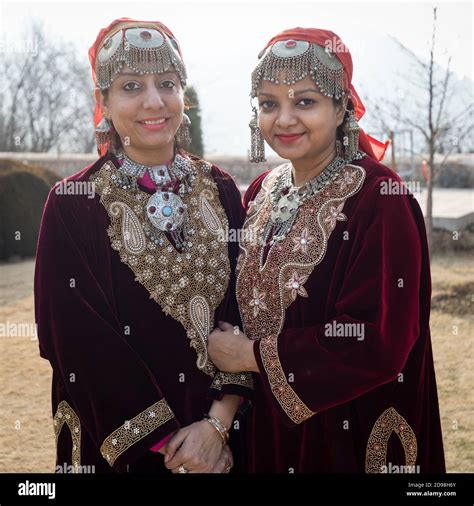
x: 105, y: 134
x: 350, y: 140
x: 183, y: 135
x: 339, y: 149
x: 257, y: 143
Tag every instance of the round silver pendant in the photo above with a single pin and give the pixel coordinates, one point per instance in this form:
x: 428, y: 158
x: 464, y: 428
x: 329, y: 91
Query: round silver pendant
x: 327, y: 57
x: 285, y: 209
x: 166, y: 211
x: 288, y: 48
x: 109, y: 47
x: 173, y: 45
x: 144, y: 37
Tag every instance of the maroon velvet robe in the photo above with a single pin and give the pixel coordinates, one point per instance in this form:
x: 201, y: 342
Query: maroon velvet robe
x: 124, y: 374
x: 332, y: 400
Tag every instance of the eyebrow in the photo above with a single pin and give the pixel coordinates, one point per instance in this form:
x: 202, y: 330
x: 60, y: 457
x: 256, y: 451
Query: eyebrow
x: 300, y: 92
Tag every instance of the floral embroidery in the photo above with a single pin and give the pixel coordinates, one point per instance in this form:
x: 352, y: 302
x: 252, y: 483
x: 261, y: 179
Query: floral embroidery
x: 257, y: 302
x: 134, y: 430
x: 301, y: 243
x: 334, y: 215
x: 346, y: 179
x: 280, y: 280
x: 295, y: 285
x: 388, y: 422
x: 229, y: 378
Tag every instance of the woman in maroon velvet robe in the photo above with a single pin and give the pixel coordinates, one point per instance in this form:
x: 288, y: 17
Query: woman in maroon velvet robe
x: 125, y: 297
x: 333, y: 282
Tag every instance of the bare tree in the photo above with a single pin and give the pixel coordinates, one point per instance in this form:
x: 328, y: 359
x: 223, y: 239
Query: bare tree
x: 46, y: 97
x: 442, y: 127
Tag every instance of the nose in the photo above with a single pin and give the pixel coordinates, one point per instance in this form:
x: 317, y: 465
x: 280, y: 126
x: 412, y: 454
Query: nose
x: 286, y: 118
x: 153, y: 99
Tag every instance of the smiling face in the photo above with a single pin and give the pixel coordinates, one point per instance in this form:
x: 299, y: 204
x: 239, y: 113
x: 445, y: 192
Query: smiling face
x: 146, y: 111
x: 298, y: 121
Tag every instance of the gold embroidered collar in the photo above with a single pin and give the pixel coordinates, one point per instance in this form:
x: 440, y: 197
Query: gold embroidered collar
x: 266, y: 287
x: 190, y: 285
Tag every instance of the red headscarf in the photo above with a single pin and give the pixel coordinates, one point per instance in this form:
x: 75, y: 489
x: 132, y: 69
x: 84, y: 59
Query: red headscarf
x: 112, y: 28
x: 325, y: 38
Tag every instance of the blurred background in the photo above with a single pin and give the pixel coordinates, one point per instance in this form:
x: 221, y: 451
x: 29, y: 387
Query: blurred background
x: 412, y: 69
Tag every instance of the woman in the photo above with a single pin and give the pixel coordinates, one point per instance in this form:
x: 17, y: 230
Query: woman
x: 130, y: 279
x: 335, y: 293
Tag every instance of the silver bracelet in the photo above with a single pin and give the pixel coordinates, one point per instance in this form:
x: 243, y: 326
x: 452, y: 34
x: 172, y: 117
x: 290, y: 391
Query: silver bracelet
x: 219, y: 426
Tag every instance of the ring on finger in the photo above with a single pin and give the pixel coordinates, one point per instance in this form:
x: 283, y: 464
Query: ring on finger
x: 182, y: 469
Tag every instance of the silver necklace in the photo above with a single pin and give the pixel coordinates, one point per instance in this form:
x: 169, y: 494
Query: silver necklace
x: 180, y: 169
x: 165, y: 209
x: 286, y: 199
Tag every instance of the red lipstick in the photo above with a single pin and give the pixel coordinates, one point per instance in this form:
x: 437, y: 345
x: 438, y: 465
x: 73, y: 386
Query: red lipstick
x: 289, y: 138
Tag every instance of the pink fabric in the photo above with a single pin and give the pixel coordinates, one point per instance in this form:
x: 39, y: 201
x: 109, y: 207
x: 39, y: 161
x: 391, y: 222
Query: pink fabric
x: 162, y: 443
x: 146, y: 181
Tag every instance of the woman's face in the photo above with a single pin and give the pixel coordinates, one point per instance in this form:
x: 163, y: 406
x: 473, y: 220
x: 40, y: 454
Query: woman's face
x: 298, y: 121
x: 146, y: 110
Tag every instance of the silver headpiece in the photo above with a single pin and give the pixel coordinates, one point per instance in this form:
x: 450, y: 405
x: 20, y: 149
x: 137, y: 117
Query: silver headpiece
x: 292, y: 60
x: 146, y: 50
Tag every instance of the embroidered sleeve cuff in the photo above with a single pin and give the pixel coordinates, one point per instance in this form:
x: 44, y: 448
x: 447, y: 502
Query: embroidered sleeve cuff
x: 225, y: 383
x: 284, y: 397
x: 136, y: 436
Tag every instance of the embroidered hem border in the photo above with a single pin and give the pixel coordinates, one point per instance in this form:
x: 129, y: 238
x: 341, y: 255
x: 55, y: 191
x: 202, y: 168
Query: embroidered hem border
x: 389, y: 421
x: 66, y: 415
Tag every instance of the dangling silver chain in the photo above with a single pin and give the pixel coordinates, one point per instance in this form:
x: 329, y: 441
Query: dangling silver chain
x: 286, y: 199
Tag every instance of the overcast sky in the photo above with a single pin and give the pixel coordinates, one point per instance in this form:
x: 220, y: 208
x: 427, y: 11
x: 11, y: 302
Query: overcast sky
x: 221, y: 40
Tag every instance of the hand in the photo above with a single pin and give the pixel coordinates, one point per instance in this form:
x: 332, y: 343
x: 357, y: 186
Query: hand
x: 197, y: 447
x: 231, y: 352
x: 225, y: 462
